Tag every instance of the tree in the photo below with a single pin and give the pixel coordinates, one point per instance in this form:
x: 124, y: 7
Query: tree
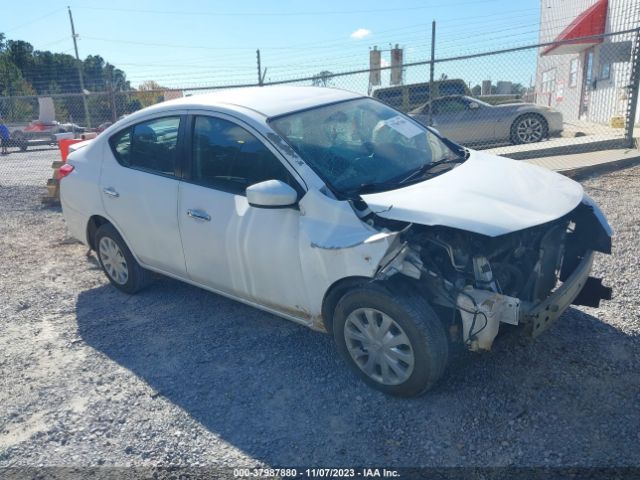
x: 46, y: 72
x: 322, y: 79
x: 518, y: 89
x: 150, y: 93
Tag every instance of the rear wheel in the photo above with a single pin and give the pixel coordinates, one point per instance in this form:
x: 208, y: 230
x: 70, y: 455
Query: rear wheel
x: 118, y: 264
x: 394, y: 342
x: 20, y: 141
x: 529, y: 128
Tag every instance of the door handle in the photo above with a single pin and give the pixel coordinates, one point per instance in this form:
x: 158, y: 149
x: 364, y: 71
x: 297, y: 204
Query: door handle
x: 198, y: 215
x: 111, y: 192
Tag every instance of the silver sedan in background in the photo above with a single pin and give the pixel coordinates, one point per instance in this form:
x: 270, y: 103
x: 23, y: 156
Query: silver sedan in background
x: 468, y: 120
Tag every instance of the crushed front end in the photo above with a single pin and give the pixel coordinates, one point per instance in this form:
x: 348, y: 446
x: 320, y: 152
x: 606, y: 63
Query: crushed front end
x: 527, y: 278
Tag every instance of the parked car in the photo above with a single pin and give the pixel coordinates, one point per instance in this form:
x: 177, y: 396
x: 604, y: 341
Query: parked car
x: 470, y: 121
x: 408, y: 97
x: 102, y: 127
x: 42, y: 133
x: 338, y: 212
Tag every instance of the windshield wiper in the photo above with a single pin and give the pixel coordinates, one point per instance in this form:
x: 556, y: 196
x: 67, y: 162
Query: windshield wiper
x: 372, y: 187
x: 424, y: 169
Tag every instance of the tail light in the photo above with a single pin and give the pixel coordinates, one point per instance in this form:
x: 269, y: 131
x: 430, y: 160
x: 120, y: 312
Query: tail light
x: 64, y: 170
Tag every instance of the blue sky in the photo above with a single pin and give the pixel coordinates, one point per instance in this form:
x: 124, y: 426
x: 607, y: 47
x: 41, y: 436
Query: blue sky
x: 198, y: 43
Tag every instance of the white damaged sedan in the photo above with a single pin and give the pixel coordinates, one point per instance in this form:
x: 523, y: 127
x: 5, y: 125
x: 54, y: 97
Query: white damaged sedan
x: 333, y: 210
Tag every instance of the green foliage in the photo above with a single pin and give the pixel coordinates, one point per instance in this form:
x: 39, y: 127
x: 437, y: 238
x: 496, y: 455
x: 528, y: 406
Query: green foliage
x: 25, y: 71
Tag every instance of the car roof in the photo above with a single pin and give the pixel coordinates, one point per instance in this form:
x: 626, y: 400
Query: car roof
x: 266, y: 101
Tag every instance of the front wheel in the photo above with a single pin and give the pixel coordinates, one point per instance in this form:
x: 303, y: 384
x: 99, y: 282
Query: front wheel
x: 394, y: 342
x: 529, y: 128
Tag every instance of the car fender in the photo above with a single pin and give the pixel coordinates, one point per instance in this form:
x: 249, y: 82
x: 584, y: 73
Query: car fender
x: 335, y: 244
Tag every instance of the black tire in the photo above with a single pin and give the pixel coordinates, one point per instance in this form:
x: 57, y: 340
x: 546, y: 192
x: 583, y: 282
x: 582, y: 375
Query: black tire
x: 20, y: 141
x: 426, y: 334
x: 538, y: 136
x: 137, y: 277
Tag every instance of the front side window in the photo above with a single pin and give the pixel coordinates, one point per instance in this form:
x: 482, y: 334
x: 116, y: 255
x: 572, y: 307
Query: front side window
x: 449, y: 105
x: 228, y: 157
x: 150, y: 145
x: 362, y: 146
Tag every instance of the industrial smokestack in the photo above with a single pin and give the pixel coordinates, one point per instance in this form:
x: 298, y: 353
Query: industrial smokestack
x: 396, y: 65
x: 374, y: 66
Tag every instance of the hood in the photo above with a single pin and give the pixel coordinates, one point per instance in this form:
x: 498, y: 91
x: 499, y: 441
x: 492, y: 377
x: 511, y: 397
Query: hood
x: 486, y: 194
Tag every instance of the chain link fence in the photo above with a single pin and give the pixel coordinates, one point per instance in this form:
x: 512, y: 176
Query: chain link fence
x: 527, y: 101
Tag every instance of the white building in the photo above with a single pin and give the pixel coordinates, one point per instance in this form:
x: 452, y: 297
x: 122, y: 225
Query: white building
x: 586, y: 79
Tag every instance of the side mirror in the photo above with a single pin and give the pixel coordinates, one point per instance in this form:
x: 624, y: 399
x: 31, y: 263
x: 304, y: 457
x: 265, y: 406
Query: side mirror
x: 474, y: 106
x: 271, y: 194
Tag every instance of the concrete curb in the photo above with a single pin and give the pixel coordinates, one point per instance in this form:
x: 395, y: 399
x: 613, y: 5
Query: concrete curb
x: 580, y: 173
x: 568, y: 149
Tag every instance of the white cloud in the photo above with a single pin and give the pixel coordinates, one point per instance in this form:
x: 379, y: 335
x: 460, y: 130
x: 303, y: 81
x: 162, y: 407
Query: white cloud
x: 360, y: 33
x: 383, y: 63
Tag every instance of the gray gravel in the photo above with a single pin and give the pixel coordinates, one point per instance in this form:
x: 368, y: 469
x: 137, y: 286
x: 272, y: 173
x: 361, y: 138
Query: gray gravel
x: 177, y: 375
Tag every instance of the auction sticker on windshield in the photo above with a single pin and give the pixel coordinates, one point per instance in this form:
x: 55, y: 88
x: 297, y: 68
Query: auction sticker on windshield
x: 403, y: 126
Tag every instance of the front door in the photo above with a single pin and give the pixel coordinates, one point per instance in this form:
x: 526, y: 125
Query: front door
x: 230, y: 245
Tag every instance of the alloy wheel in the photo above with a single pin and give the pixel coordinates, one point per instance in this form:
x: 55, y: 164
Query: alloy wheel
x: 379, y: 346
x: 529, y: 130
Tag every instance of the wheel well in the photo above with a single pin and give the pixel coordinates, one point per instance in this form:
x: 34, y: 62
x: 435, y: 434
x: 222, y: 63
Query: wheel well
x: 333, y: 296
x: 95, y: 222
x: 396, y: 284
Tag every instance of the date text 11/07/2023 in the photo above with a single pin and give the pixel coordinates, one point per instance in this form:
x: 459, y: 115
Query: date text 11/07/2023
x: 316, y: 472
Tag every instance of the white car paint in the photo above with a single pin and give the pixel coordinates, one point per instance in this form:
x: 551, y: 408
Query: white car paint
x: 486, y: 194
x: 285, y: 260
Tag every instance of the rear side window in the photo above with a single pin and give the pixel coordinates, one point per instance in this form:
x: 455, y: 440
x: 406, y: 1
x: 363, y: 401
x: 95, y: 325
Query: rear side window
x: 393, y: 98
x: 452, y: 88
x: 418, y: 94
x: 150, y: 146
x: 227, y: 157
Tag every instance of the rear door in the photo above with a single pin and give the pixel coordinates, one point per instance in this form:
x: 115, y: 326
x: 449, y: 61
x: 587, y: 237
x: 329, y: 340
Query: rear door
x: 139, y: 188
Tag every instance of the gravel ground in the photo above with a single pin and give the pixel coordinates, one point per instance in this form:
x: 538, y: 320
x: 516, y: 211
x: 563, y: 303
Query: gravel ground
x: 177, y: 375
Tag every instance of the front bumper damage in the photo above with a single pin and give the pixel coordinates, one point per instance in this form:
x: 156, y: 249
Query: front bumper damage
x: 559, y: 277
x: 483, y: 311
x: 539, y: 316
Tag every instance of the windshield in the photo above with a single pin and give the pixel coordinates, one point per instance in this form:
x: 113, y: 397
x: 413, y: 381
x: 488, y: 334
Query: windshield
x: 363, y: 146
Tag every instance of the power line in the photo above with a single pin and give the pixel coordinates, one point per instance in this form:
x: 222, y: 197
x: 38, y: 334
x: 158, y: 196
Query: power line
x: 34, y: 20
x: 282, y: 14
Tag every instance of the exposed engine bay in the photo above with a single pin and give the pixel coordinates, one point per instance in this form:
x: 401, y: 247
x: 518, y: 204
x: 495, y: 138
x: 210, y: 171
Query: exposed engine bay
x: 528, y: 277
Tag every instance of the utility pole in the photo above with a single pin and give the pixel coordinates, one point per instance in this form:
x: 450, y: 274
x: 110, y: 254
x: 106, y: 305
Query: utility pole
x: 432, y: 66
x: 112, y: 97
x: 74, y: 36
x: 259, y: 68
x: 261, y: 73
